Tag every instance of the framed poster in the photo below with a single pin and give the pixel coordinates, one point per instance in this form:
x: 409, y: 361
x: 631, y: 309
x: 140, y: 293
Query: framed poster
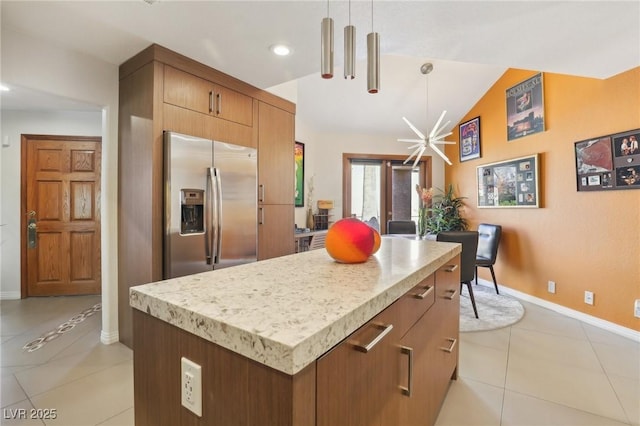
x: 608, y: 162
x: 299, y: 174
x: 525, y: 108
x: 509, y: 183
x: 470, y: 139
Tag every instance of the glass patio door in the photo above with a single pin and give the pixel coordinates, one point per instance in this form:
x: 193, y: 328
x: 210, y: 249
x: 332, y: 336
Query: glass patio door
x: 381, y: 189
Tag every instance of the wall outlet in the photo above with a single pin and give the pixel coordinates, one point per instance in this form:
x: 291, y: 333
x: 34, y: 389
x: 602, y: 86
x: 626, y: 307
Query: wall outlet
x: 636, y: 309
x: 551, y: 286
x: 191, y: 385
x: 588, y: 297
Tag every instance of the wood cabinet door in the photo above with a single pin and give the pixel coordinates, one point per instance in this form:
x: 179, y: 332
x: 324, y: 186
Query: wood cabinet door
x: 275, y: 231
x: 448, y: 308
x: 197, y: 94
x: 354, y: 387
x: 276, y: 176
x: 62, y: 215
x: 188, y: 91
x: 417, y: 370
x: 233, y: 106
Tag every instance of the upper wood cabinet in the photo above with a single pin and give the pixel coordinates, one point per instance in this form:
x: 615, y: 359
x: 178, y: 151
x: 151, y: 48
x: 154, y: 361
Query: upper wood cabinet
x: 197, y: 94
x: 276, y: 156
x: 162, y: 90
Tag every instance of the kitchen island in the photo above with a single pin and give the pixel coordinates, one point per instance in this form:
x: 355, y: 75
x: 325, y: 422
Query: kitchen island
x: 301, y: 339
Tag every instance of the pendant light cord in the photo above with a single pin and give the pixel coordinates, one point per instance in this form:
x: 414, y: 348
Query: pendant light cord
x: 371, y: 15
x: 427, y: 103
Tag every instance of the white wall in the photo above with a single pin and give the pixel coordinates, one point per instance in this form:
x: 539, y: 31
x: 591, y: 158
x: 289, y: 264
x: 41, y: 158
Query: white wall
x: 37, y: 64
x: 14, y: 124
x: 323, y: 159
x: 323, y: 155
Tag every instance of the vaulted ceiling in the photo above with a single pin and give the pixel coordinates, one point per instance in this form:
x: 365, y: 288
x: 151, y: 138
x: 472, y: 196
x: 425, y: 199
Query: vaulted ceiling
x: 470, y: 43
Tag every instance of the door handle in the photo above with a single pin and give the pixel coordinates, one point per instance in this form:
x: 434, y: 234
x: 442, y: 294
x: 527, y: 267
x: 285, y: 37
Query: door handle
x: 218, y: 103
x: 386, y: 329
x: 451, y: 294
x: 451, y: 268
x: 32, y: 230
x: 217, y: 212
x: 408, y: 351
x: 208, y: 226
x: 451, y: 346
x: 425, y: 294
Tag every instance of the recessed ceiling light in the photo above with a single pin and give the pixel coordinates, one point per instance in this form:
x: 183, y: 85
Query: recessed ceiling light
x: 4, y: 88
x: 280, y: 49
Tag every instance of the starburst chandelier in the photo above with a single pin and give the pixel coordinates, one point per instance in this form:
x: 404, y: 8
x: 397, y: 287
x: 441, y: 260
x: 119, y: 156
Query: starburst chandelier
x: 435, y: 137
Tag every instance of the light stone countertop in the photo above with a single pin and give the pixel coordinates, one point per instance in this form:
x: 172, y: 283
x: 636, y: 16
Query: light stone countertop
x: 288, y: 311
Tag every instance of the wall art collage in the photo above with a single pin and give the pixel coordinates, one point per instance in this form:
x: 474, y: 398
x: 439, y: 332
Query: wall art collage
x: 608, y: 162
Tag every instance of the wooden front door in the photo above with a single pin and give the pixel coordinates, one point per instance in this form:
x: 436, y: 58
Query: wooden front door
x: 61, y: 215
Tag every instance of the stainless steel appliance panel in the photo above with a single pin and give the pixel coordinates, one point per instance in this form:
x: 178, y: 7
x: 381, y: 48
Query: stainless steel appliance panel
x: 187, y: 160
x: 235, y: 187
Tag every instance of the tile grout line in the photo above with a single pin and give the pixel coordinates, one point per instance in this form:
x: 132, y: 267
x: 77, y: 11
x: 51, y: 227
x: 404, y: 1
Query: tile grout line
x: 506, y: 371
x: 604, y: 370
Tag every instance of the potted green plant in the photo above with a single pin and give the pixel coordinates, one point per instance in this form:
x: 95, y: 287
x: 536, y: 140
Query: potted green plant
x: 445, y: 213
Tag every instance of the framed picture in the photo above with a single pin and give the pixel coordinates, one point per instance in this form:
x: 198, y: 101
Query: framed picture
x: 525, y: 108
x: 509, y: 183
x: 608, y: 162
x: 470, y: 139
x: 299, y: 174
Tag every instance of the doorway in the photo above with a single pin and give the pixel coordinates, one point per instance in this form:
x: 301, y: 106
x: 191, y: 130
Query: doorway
x: 379, y: 188
x: 60, y: 215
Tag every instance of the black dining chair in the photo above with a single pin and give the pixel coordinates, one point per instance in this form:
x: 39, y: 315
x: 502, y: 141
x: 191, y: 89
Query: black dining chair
x: 469, y: 241
x: 488, y: 241
x: 401, y: 227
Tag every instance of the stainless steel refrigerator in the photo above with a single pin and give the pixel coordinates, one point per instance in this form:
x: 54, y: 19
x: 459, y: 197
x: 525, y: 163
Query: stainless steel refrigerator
x: 210, y: 205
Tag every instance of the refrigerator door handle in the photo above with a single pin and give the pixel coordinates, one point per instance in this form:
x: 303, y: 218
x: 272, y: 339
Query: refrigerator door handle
x: 208, y: 226
x: 217, y: 214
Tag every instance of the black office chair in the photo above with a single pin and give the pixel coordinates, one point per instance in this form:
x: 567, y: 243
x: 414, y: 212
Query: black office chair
x: 488, y: 241
x: 401, y: 227
x: 469, y: 241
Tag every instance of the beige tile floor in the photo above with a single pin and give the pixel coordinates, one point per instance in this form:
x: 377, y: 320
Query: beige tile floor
x: 545, y: 370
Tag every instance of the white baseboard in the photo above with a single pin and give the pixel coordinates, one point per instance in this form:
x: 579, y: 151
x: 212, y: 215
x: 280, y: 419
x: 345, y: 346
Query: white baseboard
x: 571, y: 313
x: 9, y: 295
x: 109, y: 337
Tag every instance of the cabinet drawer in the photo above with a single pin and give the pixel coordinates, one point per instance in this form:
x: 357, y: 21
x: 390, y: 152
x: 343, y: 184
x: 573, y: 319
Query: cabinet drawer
x: 447, y: 280
x: 415, y: 303
x: 357, y: 381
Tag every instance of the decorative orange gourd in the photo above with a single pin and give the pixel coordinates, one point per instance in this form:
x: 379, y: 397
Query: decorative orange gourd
x: 377, y: 241
x: 350, y: 240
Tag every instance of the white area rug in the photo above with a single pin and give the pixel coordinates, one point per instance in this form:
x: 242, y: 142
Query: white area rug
x: 494, y: 310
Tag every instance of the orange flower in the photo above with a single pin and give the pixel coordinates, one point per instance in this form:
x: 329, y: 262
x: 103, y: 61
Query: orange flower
x: 426, y: 195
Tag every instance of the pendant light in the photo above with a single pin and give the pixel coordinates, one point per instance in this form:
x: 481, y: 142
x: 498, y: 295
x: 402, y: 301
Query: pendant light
x: 349, y: 49
x: 326, y: 46
x: 373, y: 59
x: 435, y: 137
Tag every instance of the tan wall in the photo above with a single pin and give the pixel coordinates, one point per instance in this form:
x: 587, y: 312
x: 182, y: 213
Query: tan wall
x: 582, y: 241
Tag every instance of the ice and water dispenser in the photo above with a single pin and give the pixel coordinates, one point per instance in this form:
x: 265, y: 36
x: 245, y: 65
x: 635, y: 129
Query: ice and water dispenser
x: 192, y: 211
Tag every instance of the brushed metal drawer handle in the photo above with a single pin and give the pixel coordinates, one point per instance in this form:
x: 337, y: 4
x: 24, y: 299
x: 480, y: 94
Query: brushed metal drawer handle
x: 450, y: 348
x: 386, y: 329
x: 408, y: 351
x: 427, y: 292
x: 451, y: 295
x: 451, y: 268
